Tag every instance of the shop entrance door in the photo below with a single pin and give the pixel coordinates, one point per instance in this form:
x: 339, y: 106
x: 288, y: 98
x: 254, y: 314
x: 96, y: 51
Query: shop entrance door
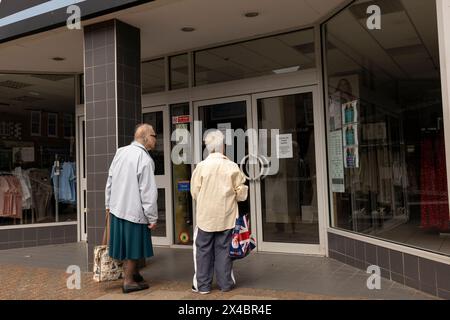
x: 233, y: 117
x: 158, y: 117
x: 289, y: 202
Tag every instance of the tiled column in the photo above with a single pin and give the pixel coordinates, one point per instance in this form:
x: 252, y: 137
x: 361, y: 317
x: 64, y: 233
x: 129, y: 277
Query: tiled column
x: 112, y: 71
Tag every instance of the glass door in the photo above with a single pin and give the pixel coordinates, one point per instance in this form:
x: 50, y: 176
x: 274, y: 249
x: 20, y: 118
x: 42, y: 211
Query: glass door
x: 288, y: 206
x: 158, y: 117
x: 233, y: 117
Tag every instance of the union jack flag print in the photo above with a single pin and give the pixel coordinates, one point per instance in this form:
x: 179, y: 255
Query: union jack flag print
x: 242, y: 242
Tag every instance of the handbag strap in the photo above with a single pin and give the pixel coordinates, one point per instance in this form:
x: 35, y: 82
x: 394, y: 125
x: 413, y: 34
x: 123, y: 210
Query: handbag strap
x: 105, y: 240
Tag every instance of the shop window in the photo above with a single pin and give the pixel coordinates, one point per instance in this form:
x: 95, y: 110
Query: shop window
x: 289, y: 52
x: 153, y: 76
x: 387, y: 163
x: 179, y: 72
x: 37, y: 171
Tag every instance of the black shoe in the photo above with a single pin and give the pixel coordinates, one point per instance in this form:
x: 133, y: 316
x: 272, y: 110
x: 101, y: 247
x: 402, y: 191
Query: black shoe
x: 128, y: 288
x: 138, y: 278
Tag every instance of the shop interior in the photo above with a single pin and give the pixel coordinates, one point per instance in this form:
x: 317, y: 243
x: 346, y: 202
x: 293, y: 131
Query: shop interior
x: 385, y: 99
x: 37, y: 149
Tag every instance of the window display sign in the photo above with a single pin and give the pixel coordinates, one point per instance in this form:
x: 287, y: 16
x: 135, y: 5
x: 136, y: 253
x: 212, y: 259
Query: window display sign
x: 351, y: 157
x: 350, y: 112
x: 350, y: 135
x: 284, y: 146
x: 336, y: 162
x: 184, y: 186
x: 335, y: 114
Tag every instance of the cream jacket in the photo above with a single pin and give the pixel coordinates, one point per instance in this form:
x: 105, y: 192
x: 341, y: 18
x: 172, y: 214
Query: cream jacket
x: 217, y: 184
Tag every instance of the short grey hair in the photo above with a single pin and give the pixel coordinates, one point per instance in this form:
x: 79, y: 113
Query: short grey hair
x: 214, y: 141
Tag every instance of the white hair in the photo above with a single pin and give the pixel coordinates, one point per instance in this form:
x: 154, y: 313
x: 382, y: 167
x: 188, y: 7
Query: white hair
x: 214, y: 141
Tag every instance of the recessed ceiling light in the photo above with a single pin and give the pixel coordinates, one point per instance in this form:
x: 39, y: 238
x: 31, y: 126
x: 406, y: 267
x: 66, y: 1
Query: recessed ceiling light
x: 187, y: 29
x: 58, y: 58
x: 251, y: 14
x: 286, y: 70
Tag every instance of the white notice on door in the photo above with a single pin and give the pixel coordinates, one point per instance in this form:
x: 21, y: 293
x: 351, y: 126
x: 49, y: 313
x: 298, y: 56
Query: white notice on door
x: 284, y: 146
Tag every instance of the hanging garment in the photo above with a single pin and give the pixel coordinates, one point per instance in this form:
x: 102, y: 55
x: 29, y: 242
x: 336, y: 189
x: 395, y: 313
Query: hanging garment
x: 4, y: 196
x: 433, y: 176
x: 64, y: 183
x: 41, y: 190
x: 25, y: 185
x: 11, y: 197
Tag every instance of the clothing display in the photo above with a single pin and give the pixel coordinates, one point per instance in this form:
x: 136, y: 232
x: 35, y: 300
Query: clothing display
x: 433, y: 183
x: 65, y: 182
x: 41, y: 192
x: 25, y: 183
x: 10, y: 197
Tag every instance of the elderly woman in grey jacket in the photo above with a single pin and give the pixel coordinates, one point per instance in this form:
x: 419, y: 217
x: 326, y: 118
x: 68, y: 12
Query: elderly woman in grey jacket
x: 131, y: 201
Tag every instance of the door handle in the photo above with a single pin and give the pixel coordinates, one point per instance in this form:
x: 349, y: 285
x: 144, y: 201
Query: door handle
x: 263, y: 165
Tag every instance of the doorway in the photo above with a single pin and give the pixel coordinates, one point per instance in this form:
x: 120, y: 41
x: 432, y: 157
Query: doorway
x: 273, y: 137
x: 158, y: 117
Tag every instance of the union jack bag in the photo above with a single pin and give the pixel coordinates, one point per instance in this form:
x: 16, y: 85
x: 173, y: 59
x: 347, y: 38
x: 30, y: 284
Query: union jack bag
x: 242, y: 241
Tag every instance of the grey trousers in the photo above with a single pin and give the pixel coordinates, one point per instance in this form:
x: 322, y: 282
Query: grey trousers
x: 211, y: 254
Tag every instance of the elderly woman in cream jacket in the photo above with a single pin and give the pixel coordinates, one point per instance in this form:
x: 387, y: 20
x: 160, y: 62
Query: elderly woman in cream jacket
x: 217, y: 185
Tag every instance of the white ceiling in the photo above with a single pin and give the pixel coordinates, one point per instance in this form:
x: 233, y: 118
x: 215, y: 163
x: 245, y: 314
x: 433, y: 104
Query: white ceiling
x: 216, y: 21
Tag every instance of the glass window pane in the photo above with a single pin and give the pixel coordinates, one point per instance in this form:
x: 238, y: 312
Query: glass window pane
x: 289, y: 193
x: 385, y: 117
x: 160, y: 230
x: 179, y: 72
x: 156, y: 120
x: 153, y: 76
x: 284, y: 53
x: 181, y: 176
x: 37, y: 173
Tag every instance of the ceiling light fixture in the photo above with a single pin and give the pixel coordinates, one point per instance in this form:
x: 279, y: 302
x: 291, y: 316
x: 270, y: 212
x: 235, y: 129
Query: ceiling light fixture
x: 251, y: 14
x: 286, y: 70
x: 187, y: 29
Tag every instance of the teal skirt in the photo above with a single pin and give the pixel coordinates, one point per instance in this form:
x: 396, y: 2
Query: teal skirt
x: 128, y: 240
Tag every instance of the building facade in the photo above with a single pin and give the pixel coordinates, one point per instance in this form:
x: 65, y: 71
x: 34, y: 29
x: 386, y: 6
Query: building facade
x: 337, y: 112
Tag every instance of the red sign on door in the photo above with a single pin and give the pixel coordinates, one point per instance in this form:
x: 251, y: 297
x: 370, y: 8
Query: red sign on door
x: 181, y: 119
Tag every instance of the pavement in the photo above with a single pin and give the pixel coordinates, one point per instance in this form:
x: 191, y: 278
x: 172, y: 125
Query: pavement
x: 40, y: 274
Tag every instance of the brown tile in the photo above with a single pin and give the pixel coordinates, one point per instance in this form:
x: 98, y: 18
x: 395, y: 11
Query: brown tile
x: 101, y: 146
x: 15, y: 235
x: 3, y: 236
x: 99, y: 56
x: 383, y: 258
x: 100, y: 112
x: 100, y: 74
x: 427, y: 272
x: 428, y: 288
x: 396, y: 259
x: 350, y: 247
x: 101, y: 163
x: 411, y: 266
x: 443, y: 276
x: 100, y: 92
x: 371, y: 254
x: 359, y: 251
x: 57, y: 232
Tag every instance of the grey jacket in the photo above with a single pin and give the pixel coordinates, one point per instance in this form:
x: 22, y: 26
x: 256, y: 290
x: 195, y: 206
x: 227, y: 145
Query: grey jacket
x: 131, y: 192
